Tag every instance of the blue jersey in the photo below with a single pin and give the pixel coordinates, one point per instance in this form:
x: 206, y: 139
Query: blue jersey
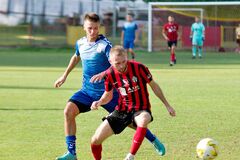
x: 197, y: 29
x: 129, y: 29
x: 94, y: 56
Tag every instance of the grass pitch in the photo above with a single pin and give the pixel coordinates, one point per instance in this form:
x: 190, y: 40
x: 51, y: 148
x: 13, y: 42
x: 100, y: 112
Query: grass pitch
x: 205, y: 93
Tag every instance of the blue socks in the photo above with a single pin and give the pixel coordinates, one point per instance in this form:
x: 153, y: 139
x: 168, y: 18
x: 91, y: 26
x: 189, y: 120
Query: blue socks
x: 71, y: 145
x: 151, y: 137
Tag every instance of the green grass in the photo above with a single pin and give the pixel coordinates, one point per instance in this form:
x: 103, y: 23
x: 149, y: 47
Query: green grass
x: 205, y: 94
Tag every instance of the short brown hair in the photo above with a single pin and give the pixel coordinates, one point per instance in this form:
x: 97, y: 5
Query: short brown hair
x: 92, y: 17
x: 118, y: 51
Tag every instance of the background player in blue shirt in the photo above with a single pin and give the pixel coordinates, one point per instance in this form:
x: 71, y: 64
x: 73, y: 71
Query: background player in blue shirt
x: 197, y: 36
x: 129, y: 34
x: 93, y: 50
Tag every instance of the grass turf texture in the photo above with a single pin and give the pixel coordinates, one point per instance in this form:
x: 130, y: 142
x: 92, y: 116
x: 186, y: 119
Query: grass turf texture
x: 205, y: 94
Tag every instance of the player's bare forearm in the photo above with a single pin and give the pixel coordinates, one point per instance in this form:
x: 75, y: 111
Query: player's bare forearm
x: 158, y: 92
x: 137, y: 35
x: 164, y: 35
x: 106, y: 97
x: 73, y: 62
x: 122, y: 36
x: 98, y: 77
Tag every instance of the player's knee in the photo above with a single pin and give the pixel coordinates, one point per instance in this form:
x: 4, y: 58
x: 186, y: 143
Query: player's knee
x: 95, y: 140
x: 70, y: 112
x: 143, y: 119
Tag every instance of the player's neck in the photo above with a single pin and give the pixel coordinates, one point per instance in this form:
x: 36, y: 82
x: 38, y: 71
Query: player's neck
x: 91, y: 39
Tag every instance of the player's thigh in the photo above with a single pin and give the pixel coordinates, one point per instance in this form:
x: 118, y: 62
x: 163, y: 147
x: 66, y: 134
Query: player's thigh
x: 103, y: 132
x: 194, y: 41
x: 174, y: 43
x: 119, y: 121
x: 169, y: 43
x: 142, y: 118
x: 71, y: 110
x: 200, y: 42
x: 126, y: 44
x: 131, y: 45
x: 82, y: 100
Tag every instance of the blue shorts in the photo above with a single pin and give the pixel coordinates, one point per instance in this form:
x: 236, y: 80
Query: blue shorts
x: 84, y: 99
x: 128, y: 44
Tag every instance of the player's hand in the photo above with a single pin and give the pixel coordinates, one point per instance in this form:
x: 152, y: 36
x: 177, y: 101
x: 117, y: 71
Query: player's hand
x: 95, y: 105
x: 59, y: 81
x: 171, y: 111
x: 97, y: 77
x: 190, y: 38
x: 135, y: 41
x: 203, y: 38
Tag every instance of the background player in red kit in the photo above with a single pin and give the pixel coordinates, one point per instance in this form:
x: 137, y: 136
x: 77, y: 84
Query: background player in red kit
x: 130, y: 79
x: 170, y: 33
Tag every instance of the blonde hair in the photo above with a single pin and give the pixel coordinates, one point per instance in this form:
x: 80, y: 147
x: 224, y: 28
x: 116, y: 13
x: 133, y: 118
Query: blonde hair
x: 118, y: 51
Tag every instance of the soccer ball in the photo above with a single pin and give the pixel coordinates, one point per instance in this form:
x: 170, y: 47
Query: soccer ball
x: 207, y: 149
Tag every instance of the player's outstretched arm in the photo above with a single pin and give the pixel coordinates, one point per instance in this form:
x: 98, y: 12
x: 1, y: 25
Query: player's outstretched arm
x: 106, y: 97
x: 73, y: 62
x: 137, y: 36
x: 122, y: 37
x: 164, y: 34
x: 158, y: 92
x: 98, y: 77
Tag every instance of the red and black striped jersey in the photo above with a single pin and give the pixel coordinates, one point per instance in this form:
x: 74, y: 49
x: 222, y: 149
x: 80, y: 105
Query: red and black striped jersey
x: 171, y: 29
x: 131, y: 86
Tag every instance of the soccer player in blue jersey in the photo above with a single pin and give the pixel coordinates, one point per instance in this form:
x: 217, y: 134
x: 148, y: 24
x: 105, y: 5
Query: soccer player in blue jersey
x: 129, y: 34
x: 93, y: 50
x: 197, y: 35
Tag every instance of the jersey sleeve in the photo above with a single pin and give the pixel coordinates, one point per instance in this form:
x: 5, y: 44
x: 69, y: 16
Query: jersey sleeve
x: 164, y: 27
x: 203, y: 28
x: 192, y: 28
x: 123, y: 28
x: 136, y: 26
x: 145, y: 73
x: 107, y: 82
x: 107, y: 50
x: 76, y: 49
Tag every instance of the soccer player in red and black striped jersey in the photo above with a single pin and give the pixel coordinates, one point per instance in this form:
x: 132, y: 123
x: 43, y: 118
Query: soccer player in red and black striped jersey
x: 130, y: 79
x: 170, y: 33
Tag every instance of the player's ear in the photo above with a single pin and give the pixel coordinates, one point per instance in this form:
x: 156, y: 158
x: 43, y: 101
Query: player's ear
x: 110, y: 60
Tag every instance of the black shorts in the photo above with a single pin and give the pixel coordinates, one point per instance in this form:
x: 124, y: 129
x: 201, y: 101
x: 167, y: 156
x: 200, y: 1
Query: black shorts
x: 171, y: 43
x: 81, y: 107
x: 119, y: 120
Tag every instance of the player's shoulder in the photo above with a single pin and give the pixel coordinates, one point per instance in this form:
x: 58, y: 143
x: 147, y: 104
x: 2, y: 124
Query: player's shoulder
x: 82, y: 40
x: 109, y: 71
x: 165, y: 25
x: 175, y: 24
x: 135, y: 63
x: 103, y: 40
x: 195, y: 24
